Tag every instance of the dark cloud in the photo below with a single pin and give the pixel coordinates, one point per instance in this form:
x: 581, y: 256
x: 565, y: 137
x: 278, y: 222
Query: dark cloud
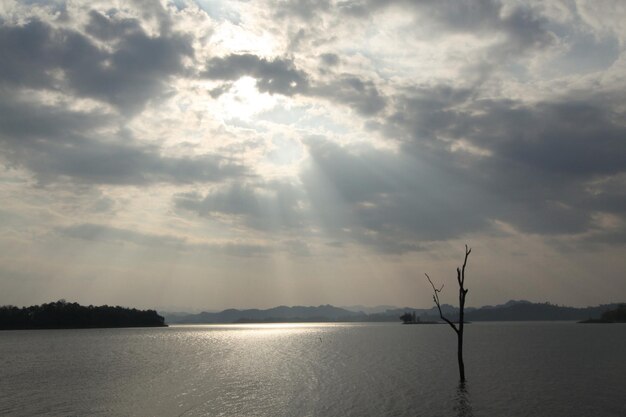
x: 127, y: 75
x: 599, y: 239
x: 32, y: 50
x: 135, y: 72
x: 218, y: 91
x: 551, y: 136
x: 264, y: 206
x: 587, y: 52
x: 532, y: 161
x: 54, y: 144
x: 397, y: 202
x: 106, y: 28
x: 387, y: 200
x: 523, y: 28
x: 23, y: 121
x: 281, y: 76
x: 367, y: 197
x: 154, y: 10
x: 58, y: 144
x: 329, y: 59
x: 573, y: 137
x: 522, y: 25
x: 420, y: 113
x: 363, y: 96
x: 275, y: 76
x: 608, y: 195
x: 100, y: 162
x: 514, y: 29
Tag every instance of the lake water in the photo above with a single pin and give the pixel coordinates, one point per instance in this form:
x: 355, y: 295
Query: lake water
x: 513, y: 369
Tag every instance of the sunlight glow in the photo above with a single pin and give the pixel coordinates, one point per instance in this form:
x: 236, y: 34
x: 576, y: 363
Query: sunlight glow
x: 234, y: 38
x: 243, y: 100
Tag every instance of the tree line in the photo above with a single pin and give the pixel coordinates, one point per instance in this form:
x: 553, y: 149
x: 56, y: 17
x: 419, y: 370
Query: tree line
x: 64, y: 315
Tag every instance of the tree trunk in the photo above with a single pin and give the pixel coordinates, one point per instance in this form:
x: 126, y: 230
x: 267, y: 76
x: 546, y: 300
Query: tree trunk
x: 460, y: 276
x: 462, y: 293
x: 460, y: 356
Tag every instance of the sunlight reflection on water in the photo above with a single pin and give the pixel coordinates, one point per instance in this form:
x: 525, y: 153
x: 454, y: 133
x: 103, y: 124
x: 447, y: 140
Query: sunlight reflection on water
x: 313, y: 369
x: 269, y: 329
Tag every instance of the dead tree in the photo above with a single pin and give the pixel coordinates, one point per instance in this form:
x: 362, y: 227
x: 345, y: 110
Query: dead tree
x: 460, y: 277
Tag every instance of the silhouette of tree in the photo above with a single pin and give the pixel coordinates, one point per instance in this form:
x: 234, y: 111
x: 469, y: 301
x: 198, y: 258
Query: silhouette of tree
x: 617, y: 315
x: 406, y: 318
x: 460, y: 277
x: 64, y: 315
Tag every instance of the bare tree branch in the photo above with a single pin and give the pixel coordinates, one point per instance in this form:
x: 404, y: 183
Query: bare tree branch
x: 467, y: 253
x: 436, y: 300
x: 460, y: 277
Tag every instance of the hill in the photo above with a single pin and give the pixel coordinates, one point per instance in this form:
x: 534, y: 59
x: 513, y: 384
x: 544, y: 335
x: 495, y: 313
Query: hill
x: 513, y: 310
x: 536, y: 311
x: 322, y: 313
x: 617, y: 315
x: 64, y: 315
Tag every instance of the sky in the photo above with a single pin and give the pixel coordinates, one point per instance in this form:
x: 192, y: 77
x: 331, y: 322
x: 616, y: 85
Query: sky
x: 208, y: 154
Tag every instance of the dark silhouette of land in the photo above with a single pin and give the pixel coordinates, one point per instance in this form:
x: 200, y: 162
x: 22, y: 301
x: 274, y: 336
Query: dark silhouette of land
x: 64, y: 315
x: 411, y: 318
x: 322, y: 313
x: 514, y: 310
x: 527, y: 311
x: 617, y: 315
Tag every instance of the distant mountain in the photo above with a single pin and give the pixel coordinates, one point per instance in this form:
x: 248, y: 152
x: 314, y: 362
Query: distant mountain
x: 508, y: 304
x: 446, y: 309
x: 617, y: 315
x: 528, y: 311
x: 282, y: 313
x: 513, y: 310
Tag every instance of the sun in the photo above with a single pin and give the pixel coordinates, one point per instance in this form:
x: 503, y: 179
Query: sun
x: 243, y: 100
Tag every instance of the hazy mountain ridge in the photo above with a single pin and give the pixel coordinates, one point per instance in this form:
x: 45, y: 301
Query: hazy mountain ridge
x: 513, y: 310
x: 538, y: 311
x: 280, y: 313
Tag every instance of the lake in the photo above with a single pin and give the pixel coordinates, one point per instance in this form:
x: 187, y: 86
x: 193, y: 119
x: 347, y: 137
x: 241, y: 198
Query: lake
x: 365, y: 369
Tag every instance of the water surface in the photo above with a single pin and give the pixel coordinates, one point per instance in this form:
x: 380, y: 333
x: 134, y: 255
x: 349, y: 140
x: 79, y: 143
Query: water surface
x: 513, y: 369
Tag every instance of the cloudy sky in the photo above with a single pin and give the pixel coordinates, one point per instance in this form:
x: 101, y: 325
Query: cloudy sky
x: 213, y: 154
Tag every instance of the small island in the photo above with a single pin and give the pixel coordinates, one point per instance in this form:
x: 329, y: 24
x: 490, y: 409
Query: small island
x: 617, y: 315
x: 410, y: 318
x: 64, y: 315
